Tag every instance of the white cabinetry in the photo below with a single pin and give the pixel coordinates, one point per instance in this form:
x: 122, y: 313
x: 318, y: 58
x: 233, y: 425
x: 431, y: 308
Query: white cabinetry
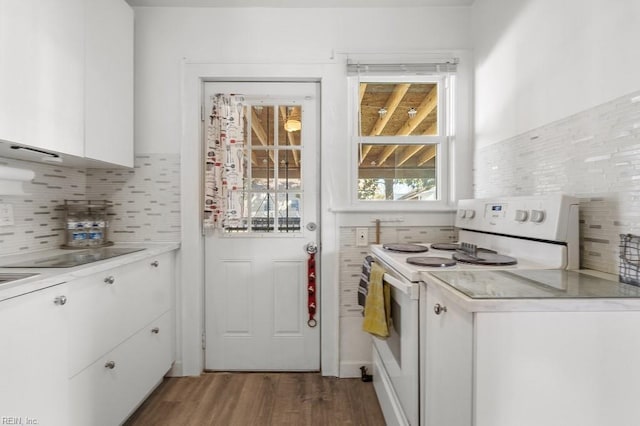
x: 111, y: 388
x: 109, y: 82
x: 554, y: 367
x: 121, y: 339
x: 41, y: 77
x: 66, y: 80
x: 33, y: 331
x: 449, y: 361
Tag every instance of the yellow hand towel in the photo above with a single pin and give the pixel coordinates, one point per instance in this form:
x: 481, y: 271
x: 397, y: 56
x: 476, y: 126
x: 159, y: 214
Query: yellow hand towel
x: 377, y: 309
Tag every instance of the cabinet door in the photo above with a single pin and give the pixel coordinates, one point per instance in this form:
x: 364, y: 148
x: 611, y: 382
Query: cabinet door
x: 449, y: 359
x: 111, y: 388
x: 41, y: 77
x: 109, y: 82
x: 111, y: 306
x: 33, y: 384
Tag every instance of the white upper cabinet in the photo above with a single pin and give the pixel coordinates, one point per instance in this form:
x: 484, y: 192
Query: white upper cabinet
x: 66, y: 80
x: 41, y: 77
x: 109, y: 82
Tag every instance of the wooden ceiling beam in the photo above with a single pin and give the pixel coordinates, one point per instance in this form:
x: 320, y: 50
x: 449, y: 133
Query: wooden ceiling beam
x: 427, y: 105
x: 290, y: 136
x: 386, y: 153
x: 409, y: 152
x: 391, y: 105
x: 258, y: 129
x: 427, y: 155
x: 363, y: 89
x: 431, y: 130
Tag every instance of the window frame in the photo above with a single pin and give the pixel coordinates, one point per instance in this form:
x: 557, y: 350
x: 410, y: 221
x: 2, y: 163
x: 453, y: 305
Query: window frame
x: 444, y: 165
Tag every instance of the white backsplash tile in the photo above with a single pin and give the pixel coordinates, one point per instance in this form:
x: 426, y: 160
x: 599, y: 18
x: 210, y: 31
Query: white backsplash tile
x: 593, y: 155
x: 146, y: 202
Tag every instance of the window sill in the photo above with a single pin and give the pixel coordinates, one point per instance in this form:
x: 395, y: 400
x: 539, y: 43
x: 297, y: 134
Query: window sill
x: 393, y: 209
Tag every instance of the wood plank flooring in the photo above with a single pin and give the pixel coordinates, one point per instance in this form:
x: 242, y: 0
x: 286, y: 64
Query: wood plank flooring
x: 259, y: 399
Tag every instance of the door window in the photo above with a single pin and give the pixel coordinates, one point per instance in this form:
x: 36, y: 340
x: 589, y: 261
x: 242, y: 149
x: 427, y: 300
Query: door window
x: 271, y: 197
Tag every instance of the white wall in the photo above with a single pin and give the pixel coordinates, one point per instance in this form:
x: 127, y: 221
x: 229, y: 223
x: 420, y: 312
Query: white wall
x: 164, y: 36
x: 169, y: 41
x: 538, y: 61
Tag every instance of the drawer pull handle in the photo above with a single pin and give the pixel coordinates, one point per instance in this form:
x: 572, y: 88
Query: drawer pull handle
x: 110, y: 365
x: 155, y: 263
x: 110, y: 279
x: 438, y: 309
x: 60, y: 300
x: 155, y: 330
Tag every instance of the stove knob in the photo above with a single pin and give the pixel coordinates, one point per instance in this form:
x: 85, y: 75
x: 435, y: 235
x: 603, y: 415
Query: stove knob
x: 521, y: 215
x: 537, y: 216
x: 462, y: 213
x: 470, y: 214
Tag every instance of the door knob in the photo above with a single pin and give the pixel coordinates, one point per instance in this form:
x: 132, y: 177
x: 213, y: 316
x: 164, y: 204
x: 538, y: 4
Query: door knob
x: 311, y: 248
x: 438, y: 309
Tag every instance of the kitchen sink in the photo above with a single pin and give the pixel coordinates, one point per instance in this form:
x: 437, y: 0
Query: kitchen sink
x: 7, y: 278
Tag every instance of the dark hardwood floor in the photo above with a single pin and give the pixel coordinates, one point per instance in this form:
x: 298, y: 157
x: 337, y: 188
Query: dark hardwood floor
x: 260, y: 399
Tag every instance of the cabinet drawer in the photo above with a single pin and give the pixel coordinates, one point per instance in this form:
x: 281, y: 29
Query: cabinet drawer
x: 108, y: 391
x: 109, y: 307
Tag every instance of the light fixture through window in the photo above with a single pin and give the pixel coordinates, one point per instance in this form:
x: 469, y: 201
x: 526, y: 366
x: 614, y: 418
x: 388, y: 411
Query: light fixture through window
x: 412, y: 112
x: 293, y: 123
x: 382, y: 112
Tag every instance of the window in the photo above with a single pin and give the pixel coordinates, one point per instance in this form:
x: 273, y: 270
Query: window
x: 400, y: 135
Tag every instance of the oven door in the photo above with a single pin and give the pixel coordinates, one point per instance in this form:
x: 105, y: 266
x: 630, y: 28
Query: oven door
x: 396, y: 358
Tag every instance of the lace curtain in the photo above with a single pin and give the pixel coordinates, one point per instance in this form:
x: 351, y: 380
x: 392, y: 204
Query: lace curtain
x: 224, y: 163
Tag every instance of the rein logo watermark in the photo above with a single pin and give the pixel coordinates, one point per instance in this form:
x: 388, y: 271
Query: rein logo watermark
x: 13, y: 420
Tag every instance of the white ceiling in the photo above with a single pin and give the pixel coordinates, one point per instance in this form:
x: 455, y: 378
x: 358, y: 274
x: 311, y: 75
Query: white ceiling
x: 299, y: 3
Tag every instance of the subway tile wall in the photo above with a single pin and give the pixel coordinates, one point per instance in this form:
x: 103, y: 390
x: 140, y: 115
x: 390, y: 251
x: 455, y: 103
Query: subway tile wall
x: 146, y: 199
x: 593, y: 155
x: 38, y: 216
x: 146, y: 202
x: 351, y: 256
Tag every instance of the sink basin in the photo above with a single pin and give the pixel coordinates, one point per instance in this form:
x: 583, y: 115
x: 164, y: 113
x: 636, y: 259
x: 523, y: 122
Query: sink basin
x: 7, y: 278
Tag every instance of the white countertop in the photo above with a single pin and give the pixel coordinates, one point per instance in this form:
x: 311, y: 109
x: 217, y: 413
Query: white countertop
x: 47, y: 277
x: 596, y: 291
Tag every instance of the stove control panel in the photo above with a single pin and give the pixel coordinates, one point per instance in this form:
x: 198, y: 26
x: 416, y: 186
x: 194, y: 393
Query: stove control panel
x: 537, y: 216
x: 521, y: 215
x: 466, y: 213
x: 542, y: 216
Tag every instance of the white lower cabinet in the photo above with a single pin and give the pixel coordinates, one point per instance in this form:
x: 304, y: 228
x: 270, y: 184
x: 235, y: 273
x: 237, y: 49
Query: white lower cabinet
x: 121, y: 339
x: 110, y: 389
x: 528, y: 368
x: 449, y: 361
x: 110, y: 306
x: 87, y: 352
x: 33, y: 351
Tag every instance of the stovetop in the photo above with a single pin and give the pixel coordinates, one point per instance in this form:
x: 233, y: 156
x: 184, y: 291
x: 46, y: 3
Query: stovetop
x: 398, y: 262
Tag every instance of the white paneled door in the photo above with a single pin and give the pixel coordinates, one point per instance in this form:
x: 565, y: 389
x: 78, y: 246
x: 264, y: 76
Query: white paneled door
x: 257, y: 269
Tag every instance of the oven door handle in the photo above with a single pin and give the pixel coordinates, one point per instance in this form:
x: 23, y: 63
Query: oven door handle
x: 410, y: 289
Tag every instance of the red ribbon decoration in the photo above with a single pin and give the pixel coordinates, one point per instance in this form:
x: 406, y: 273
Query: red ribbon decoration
x: 311, y: 290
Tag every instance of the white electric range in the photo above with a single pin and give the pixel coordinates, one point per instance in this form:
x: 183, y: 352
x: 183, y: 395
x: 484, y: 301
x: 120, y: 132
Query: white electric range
x: 515, y: 233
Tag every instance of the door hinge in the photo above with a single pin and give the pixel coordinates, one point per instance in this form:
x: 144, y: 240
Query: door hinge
x: 201, y: 112
x: 204, y: 341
